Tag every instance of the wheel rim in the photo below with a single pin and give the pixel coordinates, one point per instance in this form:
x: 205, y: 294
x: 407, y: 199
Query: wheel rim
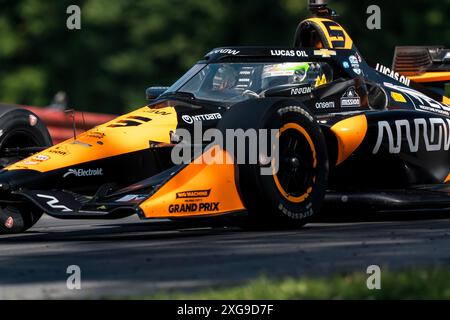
x: 297, y: 163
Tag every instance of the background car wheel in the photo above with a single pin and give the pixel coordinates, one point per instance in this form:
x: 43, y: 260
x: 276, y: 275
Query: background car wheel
x: 17, y: 219
x: 289, y: 197
x: 21, y: 128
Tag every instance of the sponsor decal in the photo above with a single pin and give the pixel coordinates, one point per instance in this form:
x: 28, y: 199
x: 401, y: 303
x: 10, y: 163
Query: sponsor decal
x: 96, y: 135
x: 324, y: 53
x: 30, y: 163
x: 433, y: 134
x: 194, y: 207
x: 201, y: 117
x: 300, y: 91
x: 353, y: 59
x: 299, y: 215
x: 350, y: 99
x: 321, y: 80
x: 398, y: 97
x: 9, y: 223
x: 84, y: 173
x: 421, y: 101
x: 81, y: 143
x: 158, y: 112
x: 36, y: 160
x: 392, y: 74
x: 131, y: 197
x: 289, y: 53
x: 325, y: 105
x: 434, y: 110
x: 18, y: 166
x: 224, y: 51
x: 130, y: 121
x: 41, y: 157
x: 187, y: 119
x: 193, y: 194
x: 345, y: 64
x: 53, y: 203
x: 245, y: 77
x: 61, y: 151
x: 336, y: 34
x: 355, y: 64
x: 32, y: 120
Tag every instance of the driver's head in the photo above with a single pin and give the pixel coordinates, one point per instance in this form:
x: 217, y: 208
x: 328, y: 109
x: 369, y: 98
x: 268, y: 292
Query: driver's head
x: 225, y: 78
x: 284, y: 73
x: 292, y: 73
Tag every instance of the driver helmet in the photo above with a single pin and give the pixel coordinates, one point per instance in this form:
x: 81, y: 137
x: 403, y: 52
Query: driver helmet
x: 292, y: 73
x: 225, y: 78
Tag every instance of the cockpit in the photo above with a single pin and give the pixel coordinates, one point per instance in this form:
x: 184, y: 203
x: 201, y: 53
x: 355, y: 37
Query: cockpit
x: 235, y: 82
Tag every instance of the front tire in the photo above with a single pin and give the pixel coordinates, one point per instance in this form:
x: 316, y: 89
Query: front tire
x: 20, y: 128
x: 289, y: 197
x: 17, y: 219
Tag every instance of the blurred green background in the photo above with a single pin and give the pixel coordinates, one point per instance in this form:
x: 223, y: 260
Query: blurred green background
x: 125, y: 46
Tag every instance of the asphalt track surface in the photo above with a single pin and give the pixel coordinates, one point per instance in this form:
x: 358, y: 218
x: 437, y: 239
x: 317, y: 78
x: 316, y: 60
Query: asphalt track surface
x: 130, y: 257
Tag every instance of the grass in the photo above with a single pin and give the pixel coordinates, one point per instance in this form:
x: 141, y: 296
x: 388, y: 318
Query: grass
x: 416, y: 284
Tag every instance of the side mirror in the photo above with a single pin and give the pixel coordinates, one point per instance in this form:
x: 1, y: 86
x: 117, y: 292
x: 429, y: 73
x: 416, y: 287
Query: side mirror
x: 378, y: 98
x: 153, y: 93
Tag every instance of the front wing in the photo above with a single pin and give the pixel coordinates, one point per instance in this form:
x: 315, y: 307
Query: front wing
x: 193, y: 190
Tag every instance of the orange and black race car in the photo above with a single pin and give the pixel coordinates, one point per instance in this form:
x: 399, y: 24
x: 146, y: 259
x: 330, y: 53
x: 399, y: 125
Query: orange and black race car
x: 346, y: 134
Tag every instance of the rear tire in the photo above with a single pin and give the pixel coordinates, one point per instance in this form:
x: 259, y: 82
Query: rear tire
x: 17, y: 219
x: 289, y: 197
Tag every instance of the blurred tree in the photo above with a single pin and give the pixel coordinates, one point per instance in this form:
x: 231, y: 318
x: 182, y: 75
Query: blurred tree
x: 125, y: 46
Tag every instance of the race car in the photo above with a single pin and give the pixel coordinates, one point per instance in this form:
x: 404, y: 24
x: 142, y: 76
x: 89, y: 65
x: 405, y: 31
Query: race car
x: 346, y: 134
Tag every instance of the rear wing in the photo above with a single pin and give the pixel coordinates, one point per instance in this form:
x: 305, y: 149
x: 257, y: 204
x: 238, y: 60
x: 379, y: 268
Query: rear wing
x: 429, y: 66
x: 416, y: 61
